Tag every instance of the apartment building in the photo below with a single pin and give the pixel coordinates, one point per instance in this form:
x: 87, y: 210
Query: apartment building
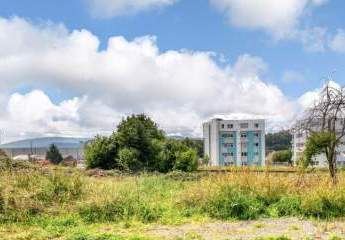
x: 298, y: 145
x: 234, y: 142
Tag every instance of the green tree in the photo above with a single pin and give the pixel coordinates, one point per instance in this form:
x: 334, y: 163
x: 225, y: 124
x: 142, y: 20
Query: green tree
x: 139, y: 132
x: 283, y: 156
x: 278, y: 141
x: 186, y: 161
x: 318, y: 143
x: 101, y: 152
x: 53, y: 154
x: 128, y: 159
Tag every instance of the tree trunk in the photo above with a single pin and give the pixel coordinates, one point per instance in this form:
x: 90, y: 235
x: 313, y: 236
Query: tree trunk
x: 332, y: 167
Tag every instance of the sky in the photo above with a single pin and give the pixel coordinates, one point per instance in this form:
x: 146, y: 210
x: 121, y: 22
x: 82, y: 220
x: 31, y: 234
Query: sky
x: 77, y: 67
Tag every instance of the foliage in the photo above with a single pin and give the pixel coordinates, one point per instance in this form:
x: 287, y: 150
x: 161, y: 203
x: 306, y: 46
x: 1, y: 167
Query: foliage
x: 53, y: 154
x: 101, y: 152
x: 139, y: 145
x: 283, y: 156
x: 186, y: 161
x: 196, y: 144
x: 316, y: 144
x: 278, y: 141
x: 5, y: 161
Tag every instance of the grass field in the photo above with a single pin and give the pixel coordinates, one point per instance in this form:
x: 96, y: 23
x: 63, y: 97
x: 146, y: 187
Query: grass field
x: 63, y: 203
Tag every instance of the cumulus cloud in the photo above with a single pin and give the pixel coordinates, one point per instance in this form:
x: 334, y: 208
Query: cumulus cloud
x: 179, y: 89
x: 283, y: 20
x: 279, y: 18
x: 111, y: 8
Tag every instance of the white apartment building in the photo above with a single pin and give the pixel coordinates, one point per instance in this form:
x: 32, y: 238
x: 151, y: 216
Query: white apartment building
x: 234, y: 142
x: 298, y: 145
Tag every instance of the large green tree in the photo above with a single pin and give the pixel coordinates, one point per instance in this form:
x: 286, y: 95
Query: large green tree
x: 138, y: 144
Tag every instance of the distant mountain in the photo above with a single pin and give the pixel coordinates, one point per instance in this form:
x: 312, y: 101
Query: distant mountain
x: 60, y: 142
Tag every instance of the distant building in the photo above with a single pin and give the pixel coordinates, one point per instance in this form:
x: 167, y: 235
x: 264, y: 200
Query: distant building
x: 235, y: 142
x: 298, y: 145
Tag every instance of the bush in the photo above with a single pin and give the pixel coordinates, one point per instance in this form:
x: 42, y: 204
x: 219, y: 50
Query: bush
x: 231, y: 203
x: 186, y: 161
x: 101, y: 153
x: 128, y: 159
x: 284, y: 156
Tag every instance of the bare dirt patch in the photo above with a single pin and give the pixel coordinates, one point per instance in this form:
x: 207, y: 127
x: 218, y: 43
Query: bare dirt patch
x: 292, y: 228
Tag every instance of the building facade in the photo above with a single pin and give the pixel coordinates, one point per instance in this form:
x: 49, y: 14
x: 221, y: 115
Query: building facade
x: 298, y: 145
x: 234, y: 142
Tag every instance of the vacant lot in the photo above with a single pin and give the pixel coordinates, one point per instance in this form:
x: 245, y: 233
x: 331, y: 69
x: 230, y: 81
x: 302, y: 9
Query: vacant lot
x: 62, y: 203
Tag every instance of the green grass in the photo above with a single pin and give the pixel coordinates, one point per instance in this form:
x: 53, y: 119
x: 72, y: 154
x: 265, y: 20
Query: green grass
x: 49, y: 203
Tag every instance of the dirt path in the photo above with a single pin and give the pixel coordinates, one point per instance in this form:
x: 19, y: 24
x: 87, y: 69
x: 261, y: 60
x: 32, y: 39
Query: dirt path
x: 292, y: 228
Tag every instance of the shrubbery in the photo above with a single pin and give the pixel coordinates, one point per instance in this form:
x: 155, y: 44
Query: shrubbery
x: 139, y: 145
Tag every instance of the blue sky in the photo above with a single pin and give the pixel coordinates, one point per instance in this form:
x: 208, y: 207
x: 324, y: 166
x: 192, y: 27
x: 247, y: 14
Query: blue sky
x: 218, y: 26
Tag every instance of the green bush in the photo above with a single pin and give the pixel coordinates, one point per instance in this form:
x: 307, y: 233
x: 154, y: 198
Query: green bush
x: 231, y: 203
x: 101, y: 153
x: 186, y: 161
x: 286, y: 206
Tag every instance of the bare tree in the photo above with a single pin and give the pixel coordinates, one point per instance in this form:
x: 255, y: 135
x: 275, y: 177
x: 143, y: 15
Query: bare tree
x: 327, y: 117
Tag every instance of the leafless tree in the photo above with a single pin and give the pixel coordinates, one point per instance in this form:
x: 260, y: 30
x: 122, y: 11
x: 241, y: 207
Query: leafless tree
x: 327, y: 116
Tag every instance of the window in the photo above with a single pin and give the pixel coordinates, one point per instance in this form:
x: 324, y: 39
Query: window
x: 244, y: 125
x: 228, y: 145
x: 230, y: 126
x: 256, y: 134
x: 256, y: 144
x: 256, y: 125
x: 243, y: 135
x: 244, y: 154
x: 256, y: 154
x: 299, y: 135
x: 222, y: 125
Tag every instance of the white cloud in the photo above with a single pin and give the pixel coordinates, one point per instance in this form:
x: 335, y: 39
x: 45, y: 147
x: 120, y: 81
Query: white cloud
x: 337, y: 43
x: 280, y: 18
x: 179, y: 89
x: 111, y: 8
x: 283, y: 20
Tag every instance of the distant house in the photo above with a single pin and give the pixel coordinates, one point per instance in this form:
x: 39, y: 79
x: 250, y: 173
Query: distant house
x: 234, y: 142
x: 38, y: 147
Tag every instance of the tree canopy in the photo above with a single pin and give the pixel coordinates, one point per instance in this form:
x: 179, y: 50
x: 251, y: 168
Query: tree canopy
x: 53, y: 154
x: 138, y: 144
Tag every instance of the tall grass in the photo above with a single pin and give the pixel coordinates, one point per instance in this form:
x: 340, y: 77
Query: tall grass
x: 30, y: 193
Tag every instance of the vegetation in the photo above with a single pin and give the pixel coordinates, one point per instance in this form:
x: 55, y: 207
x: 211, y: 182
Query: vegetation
x: 53, y: 154
x: 283, y: 156
x: 138, y: 145
x: 278, y: 141
x: 326, y: 126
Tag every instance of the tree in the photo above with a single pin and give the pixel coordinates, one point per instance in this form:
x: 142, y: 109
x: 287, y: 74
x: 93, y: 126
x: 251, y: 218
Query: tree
x: 325, y: 125
x: 53, y: 154
x: 283, y: 156
x: 278, y: 141
x: 139, y: 132
x: 186, y: 161
x: 101, y: 152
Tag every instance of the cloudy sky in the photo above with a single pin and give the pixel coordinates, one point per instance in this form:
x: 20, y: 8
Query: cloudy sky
x: 75, y: 68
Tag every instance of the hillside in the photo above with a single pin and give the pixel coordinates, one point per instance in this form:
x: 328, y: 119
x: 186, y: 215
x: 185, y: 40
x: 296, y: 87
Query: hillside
x: 61, y: 142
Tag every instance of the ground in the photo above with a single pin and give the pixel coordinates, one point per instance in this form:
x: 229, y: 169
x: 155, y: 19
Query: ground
x: 282, y: 228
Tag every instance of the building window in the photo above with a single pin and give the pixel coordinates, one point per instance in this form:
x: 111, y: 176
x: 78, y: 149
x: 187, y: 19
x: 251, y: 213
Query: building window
x: 256, y: 154
x: 256, y: 125
x: 243, y: 135
x: 223, y: 126
x: 244, y: 125
x: 256, y: 134
x: 256, y: 144
x: 244, y: 154
x: 230, y: 126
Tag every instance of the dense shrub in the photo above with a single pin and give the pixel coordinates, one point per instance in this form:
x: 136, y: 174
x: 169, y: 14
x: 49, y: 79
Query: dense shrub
x: 231, y: 203
x: 139, y: 145
x: 186, y: 161
x: 101, y: 152
x: 283, y: 156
